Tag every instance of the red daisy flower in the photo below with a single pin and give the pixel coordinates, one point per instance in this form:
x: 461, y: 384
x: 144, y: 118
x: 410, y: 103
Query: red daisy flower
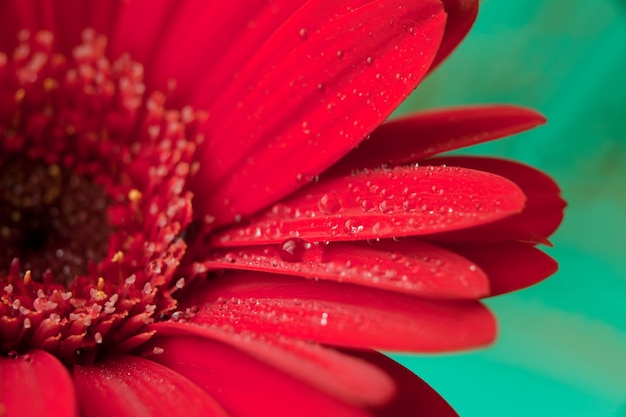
x: 193, y: 223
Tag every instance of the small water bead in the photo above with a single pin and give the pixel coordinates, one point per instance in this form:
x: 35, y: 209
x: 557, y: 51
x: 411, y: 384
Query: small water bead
x: 351, y: 226
x: 330, y: 203
x: 294, y: 250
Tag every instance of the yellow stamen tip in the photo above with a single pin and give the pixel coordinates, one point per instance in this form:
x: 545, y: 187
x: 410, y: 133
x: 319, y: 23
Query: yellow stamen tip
x: 134, y: 195
x: 118, y: 257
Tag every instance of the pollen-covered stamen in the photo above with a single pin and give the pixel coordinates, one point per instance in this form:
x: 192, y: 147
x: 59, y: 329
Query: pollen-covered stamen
x: 107, y: 165
x: 51, y: 218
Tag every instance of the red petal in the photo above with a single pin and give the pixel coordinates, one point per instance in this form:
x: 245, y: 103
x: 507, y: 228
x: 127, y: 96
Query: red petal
x: 414, y: 397
x: 129, y: 386
x: 510, y: 266
x: 421, y: 135
x: 407, y: 266
x: 192, y: 42
x: 539, y: 219
x: 226, y: 373
x: 35, y: 384
x: 324, y: 369
x: 461, y: 17
x: 342, y: 314
x: 299, y: 115
x: 403, y: 201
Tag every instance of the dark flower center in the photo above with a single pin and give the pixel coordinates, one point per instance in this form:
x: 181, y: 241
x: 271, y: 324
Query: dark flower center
x: 51, y: 219
x: 93, y: 200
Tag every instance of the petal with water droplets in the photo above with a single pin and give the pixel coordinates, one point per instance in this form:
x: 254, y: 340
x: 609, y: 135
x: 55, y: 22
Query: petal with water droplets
x: 342, y: 314
x: 405, y: 266
x: 129, y: 386
x: 382, y: 203
x: 285, y: 125
x: 325, y: 369
x: 35, y: 384
x: 542, y: 213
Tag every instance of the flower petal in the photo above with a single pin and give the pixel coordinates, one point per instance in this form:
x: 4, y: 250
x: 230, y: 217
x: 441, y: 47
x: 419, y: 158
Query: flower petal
x: 421, y: 135
x: 225, y: 372
x: 510, y: 266
x: 540, y: 218
x: 413, y: 396
x: 130, y: 386
x: 35, y: 384
x: 342, y: 314
x: 381, y: 203
x: 296, y: 118
x: 184, y: 42
x: 406, y: 266
x: 461, y: 17
x: 324, y: 369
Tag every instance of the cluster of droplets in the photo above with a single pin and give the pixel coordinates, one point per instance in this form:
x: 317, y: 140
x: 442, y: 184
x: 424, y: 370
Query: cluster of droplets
x: 407, y: 266
x: 373, y: 204
x: 89, y: 121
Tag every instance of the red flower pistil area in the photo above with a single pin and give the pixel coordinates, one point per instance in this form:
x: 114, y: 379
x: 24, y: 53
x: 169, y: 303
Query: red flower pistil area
x: 94, y: 209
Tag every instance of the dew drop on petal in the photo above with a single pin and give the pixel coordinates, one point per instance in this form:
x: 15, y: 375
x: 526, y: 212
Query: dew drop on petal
x: 294, y: 250
x: 329, y: 203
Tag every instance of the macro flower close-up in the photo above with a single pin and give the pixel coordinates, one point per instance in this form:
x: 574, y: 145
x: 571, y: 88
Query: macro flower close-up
x: 205, y: 210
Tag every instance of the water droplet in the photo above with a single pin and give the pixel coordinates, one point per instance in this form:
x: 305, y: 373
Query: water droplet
x: 385, y: 207
x: 367, y: 206
x: 294, y: 250
x: 304, y: 33
x: 324, y: 319
x: 352, y: 227
x: 329, y: 203
x: 341, y: 54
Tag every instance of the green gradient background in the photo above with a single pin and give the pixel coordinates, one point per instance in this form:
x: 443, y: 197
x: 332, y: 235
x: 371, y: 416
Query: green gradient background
x: 562, y: 344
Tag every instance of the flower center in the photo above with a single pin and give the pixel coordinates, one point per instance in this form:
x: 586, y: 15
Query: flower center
x: 51, y: 219
x: 93, y: 205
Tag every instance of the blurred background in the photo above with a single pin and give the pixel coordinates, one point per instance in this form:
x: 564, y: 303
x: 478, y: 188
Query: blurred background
x: 562, y: 344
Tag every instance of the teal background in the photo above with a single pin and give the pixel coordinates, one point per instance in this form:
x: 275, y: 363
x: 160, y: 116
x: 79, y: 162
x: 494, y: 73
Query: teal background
x: 562, y: 344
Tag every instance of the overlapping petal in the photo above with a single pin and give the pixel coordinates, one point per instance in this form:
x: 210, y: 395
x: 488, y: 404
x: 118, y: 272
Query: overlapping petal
x: 35, y: 384
x: 531, y: 264
x: 405, y: 266
x: 461, y: 17
x: 326, y: 370
x: 413, y: 393
x: 542, y: 214
x: 293, y: 120
x: 342, y: 314
x: 412, y: 138
x: 402, y: 201
x: 130, y: 386
x: 226, y: 373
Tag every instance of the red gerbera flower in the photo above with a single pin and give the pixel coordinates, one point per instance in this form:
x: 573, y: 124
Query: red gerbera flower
x: 192, y: 224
